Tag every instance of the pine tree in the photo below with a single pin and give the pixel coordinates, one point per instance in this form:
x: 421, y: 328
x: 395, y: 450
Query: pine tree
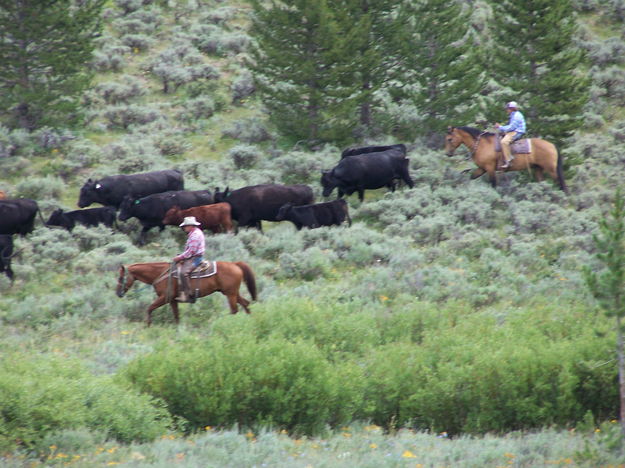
x: 536, y: 58
x: 608, y: 286
x: 442, y: 60
x: 298, y: 69
x: 45, y: 47
x: 372, y: 31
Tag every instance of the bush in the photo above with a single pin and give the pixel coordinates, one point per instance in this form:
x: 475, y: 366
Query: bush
x: 40, y: 188
x: 123, y: 116
x: 121, y: 92
x: 504, y: 380
x: 240, y: 381
x: 242, y: 87
x: 244, y: 156
x: 42, y: 395
x: 248, y: 131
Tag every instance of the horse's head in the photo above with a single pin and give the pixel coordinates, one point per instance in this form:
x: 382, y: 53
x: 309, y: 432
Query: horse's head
x: 452, y: 140
x: 124, y: 282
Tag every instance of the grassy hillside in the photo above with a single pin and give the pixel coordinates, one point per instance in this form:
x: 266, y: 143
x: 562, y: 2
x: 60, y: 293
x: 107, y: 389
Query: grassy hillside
x: 445, y: 312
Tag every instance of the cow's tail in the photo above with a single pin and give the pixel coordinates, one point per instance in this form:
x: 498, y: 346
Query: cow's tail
x: 41, y: 218
x: 248, y: 277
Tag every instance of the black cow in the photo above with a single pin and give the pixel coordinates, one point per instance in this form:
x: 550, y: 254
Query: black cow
x: 151, y: 210
x: 252, y: 204
x: 17, y: 216
x: 6, y: 252
x: 111, y: 190
x: 331, y: 213
x: 373, y: 149
x: 88, y: 217
x: 367, y: 171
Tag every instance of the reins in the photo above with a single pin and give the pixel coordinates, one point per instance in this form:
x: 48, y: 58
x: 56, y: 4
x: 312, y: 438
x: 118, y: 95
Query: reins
x: 477, y: 142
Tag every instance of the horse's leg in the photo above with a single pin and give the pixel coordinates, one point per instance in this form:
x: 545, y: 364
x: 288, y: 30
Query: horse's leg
x: 160, y: 300
x: 174, y: 309
x: 244, y: 302
x: 538, y: 171
x: 479, y: 172
x: 232, y: 302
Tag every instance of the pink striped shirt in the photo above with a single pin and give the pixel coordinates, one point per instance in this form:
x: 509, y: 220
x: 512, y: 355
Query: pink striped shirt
x: 195, y: 244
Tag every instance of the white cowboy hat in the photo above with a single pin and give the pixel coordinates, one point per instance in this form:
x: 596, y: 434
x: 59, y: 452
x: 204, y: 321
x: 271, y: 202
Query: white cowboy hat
x: 512, y: 104
x: 189, y: 221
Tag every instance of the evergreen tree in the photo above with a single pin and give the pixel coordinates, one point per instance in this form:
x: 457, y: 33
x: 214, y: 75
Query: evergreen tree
x: 298, y: 68
x: 441, y: 59
x: 372, y: 32
x: 536, y: 58
x: 608, y: 286
x: 45, y: 47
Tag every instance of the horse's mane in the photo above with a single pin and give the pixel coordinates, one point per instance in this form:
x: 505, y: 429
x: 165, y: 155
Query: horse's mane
x: 475, y: 132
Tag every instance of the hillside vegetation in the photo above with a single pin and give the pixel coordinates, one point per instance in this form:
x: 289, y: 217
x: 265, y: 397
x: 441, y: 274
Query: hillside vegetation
x: 450, y: 322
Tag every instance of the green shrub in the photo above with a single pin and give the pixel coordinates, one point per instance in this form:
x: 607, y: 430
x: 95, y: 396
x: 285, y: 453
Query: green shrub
x: 476, y: 377
x: 223, y: 382
x: 39, y: 188
x: 45, y: 394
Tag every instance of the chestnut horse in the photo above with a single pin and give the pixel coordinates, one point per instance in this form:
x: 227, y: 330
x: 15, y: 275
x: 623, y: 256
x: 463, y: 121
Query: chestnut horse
x: 544, y: 156
x: 227, y: 280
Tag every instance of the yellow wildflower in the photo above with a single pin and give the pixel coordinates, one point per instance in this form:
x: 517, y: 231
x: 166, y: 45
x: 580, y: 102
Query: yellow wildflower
x: 408, y: 454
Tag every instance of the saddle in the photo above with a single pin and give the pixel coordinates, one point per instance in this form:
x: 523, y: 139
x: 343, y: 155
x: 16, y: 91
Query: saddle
x: 521, y: 146
x: 203, y: 270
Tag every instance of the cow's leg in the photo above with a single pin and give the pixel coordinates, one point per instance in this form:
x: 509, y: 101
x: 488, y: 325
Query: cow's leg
x: 361, y: 194
x: 143, y: 235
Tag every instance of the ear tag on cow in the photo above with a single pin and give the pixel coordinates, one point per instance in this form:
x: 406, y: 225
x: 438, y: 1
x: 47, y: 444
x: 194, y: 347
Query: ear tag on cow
x: 98, y: 186
x: 136, y: 202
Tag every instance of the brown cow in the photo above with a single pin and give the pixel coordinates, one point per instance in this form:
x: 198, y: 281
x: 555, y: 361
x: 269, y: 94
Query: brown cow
x: 215, y: 217
x: 3, y: 195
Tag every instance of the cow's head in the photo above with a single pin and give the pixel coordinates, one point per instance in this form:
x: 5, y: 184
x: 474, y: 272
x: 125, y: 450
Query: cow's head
x: 220, y: 197
x: 126, y: 207
x: 172, y: 216
x: 56, y: 218
x: 328, y: 182
x: 91, y: 192
x: 283, y: 212
x: 87, y: 196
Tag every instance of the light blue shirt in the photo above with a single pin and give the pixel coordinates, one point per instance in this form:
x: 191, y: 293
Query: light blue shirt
x: 516, y: 123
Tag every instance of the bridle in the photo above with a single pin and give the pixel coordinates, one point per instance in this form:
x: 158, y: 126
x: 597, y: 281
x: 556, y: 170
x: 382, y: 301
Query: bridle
x: 122, y: 289
x: 475, y: 145
x: 122, y: 281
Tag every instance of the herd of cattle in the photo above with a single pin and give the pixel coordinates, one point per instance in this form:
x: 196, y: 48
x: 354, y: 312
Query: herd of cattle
x: 158, y: 199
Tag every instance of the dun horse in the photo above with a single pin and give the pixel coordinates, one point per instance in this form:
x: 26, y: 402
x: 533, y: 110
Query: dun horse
x: 227, y: 280
x: 544, y: 156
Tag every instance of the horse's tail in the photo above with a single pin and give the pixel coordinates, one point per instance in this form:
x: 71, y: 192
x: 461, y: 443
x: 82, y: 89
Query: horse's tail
x: 560, y: 172
x: 248, y: 276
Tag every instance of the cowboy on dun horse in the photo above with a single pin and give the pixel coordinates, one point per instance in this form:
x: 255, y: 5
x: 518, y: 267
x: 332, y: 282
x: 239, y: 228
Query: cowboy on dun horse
x: 533, y: 154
